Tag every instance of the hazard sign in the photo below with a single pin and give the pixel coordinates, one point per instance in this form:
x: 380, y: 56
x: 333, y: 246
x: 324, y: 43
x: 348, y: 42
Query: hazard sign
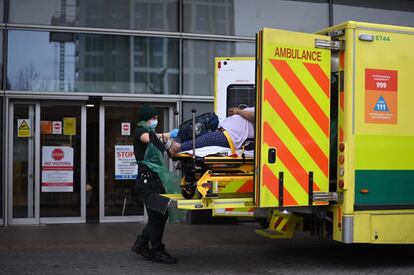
x: 381, y: 96
x: 23, y: 128
x: 69, y: 126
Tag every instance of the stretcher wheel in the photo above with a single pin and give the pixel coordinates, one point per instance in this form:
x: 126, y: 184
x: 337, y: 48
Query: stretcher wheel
x: 188, y: 193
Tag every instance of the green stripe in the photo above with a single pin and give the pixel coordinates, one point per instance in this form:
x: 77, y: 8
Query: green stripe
x: 385, y: 187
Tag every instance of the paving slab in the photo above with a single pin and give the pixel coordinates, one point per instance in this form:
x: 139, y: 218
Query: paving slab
x: 200, y: 249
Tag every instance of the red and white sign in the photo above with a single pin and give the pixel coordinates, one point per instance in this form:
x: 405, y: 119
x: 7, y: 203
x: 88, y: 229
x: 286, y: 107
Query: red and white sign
x: 125, y: 128
x: 57, y: 127
x: 57, y: 169
x: 126, y: 167
x: 381, y: 96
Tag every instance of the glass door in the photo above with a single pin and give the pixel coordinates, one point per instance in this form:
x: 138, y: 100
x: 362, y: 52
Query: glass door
x: 118, y: 169
x: 46, y: 156
x: 22, y: 208
x: 62, y: 184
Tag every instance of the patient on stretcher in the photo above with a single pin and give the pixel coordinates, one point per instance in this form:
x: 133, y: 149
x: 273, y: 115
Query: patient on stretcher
x: 230, y: 136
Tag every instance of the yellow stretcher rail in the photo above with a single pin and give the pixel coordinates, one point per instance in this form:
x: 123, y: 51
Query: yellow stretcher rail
x: 210, y: 203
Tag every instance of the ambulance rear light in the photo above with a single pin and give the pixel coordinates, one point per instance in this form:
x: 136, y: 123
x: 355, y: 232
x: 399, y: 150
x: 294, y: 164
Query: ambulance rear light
x: 341, y: 159
x: 341, y: 184
x: 341, y: 147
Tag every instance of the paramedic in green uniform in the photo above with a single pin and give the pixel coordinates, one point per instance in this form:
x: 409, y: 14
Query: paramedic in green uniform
x: 150, y: 182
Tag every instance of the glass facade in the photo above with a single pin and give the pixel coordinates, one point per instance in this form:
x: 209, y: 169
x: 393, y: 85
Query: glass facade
x: 247, y: 17
x: 154, y: 15
x: 383, y: 12
x: 198, y: 56
x: 69, y: 62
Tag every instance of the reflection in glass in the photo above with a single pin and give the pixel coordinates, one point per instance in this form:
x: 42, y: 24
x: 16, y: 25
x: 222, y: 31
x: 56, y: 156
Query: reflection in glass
x: 67, y: 62
x: 155, y: 15
x: 198, y: 58
x: 247, y: 17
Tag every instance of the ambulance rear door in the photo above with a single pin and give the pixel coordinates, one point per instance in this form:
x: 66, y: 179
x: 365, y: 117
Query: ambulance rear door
x: 292, y: 118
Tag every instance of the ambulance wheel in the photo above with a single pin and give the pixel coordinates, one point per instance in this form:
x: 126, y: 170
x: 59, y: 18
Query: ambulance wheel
x: 188, y: 193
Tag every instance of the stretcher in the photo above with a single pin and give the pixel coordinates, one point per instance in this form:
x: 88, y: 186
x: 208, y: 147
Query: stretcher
x: 215, y: 177
x: 219, y: 182
x: 209, y: 175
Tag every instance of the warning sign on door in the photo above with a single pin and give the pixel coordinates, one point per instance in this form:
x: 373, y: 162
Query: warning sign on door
x: 125, y: 129
x: 69, y: 126
x: 126, y: 167
x: 381, y: 101
x: 57, y: 127
x: 57, y: 169
x: 23, y: 127
x: 45, y: 127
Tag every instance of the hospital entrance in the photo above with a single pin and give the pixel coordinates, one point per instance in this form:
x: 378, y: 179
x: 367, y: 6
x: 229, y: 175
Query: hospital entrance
x: 73, y: 161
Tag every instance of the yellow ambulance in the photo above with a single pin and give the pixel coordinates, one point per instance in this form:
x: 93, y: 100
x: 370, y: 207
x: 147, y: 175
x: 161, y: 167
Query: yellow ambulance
x: 334, y: 146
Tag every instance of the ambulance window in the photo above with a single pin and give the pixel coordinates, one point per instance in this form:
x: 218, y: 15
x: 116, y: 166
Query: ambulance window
x: 241, y: 95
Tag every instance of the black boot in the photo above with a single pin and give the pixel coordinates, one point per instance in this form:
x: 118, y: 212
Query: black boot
x: 142, y: 249
x: 161, y: 256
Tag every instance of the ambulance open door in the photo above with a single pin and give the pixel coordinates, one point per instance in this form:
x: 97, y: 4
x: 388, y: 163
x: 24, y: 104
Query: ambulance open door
x: 292, y: 118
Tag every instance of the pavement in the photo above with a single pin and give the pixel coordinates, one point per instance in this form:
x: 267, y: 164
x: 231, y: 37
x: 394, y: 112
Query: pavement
x: 200, y: 249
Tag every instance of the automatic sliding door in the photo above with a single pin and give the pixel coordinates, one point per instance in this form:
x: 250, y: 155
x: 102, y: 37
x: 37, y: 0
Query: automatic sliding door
x: 118, y: 161
x: 22, y: 181
x: 61, y: 185
x: 120, y: 166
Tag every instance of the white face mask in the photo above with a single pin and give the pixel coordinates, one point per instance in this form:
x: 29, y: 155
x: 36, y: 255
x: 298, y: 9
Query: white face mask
x: 153, y: 124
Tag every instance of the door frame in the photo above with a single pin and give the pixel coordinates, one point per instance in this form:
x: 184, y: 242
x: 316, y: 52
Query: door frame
x: 37, y: 165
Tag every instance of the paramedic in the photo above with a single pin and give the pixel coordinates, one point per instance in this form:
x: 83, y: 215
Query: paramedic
x: 148, y: 187
x: 239, y: 126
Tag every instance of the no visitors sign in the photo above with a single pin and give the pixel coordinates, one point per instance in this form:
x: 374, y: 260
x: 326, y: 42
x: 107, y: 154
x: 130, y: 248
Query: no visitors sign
x: 57, y: 169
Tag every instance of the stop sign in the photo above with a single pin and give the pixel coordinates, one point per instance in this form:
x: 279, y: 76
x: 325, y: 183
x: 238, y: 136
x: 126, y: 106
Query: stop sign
x: 57, y: 154
x: 125, y: 128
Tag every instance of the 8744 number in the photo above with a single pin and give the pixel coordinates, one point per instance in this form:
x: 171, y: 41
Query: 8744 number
x: 382, y: 38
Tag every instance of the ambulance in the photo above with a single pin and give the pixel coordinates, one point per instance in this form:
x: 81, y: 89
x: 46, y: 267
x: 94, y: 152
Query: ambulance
x: 334, y: 145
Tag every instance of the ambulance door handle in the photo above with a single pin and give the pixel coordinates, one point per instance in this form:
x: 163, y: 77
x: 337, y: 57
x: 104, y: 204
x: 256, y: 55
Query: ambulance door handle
x: 271, y: 155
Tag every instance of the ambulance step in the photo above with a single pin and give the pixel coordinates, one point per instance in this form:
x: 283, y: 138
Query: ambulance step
x: 282, y: 225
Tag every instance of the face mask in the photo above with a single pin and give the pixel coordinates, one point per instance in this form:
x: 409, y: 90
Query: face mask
x: 153, y: 124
